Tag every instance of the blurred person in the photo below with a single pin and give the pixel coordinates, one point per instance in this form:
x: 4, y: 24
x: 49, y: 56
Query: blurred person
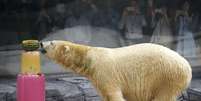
x: 71, y: 20
x: 89, y: 11
x: 83, y: 11
x: 59, y: 16
x: 186, y: 45
x: 132, y: 22
x: 150, y: 14
x: 162, y: 34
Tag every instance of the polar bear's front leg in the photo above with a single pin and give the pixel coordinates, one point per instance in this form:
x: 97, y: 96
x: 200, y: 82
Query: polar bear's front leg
x: 113, y: 96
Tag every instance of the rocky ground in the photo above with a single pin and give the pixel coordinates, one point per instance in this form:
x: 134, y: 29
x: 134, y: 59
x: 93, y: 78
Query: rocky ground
x: 68, y: 87
x: 71, y: 87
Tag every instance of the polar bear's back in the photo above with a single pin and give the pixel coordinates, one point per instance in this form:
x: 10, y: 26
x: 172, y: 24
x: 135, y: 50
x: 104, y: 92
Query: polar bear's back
x: 151, y: 66
x: 153, y: 58
x: 150, y: 54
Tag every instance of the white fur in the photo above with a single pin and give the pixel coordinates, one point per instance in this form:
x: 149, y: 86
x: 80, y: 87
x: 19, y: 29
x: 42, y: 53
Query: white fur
x: 142, y: 72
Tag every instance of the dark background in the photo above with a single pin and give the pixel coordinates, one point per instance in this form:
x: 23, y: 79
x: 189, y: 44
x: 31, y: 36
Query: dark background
x: 19, y: 18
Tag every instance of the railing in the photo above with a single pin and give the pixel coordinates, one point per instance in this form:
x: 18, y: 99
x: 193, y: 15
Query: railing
x: 190, y: 95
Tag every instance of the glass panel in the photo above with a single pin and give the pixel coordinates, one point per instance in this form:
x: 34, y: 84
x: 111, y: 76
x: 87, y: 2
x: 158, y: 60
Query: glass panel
x: 107, y: 23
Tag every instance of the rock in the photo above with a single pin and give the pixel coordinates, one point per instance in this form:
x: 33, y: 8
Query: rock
x: 7, y: 92
x: 93, y: 99
x: 74, y: 80
x: 62, y: 90
x: 11, y: 96
x: 85, y: 85
x: 53, y: 95
x: 75, y: 98
x: 2, y: 96
x: 75, y: 88
x: 7, y: 88
x: 90, y: 92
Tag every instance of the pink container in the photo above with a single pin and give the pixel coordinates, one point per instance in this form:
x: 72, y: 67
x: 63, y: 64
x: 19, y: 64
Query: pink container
x: 30, y: 87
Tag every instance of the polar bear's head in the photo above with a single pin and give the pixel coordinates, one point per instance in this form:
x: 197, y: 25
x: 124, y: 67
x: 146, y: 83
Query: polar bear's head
x: 64, y: 52
x: 54, y: 49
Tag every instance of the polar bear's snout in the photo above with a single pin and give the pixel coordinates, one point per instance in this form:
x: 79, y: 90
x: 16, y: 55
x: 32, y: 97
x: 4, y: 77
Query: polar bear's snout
x: 45, y: 46
x: 41, y: 44
x: 42, y: 48
x: 43, y: 51
x: 48, y: 48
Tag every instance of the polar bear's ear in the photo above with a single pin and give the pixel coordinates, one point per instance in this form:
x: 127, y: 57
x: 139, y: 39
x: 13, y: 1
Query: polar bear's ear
x: 67, y: 48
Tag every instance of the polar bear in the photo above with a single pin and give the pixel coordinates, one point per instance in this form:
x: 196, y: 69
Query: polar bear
x: 141, y: 72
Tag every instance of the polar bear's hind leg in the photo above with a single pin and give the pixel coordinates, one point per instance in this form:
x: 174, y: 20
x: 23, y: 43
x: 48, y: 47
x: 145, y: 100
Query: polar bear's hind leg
x: 167, y: 93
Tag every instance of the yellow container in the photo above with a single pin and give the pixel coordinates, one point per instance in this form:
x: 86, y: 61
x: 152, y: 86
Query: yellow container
x: 30, y: 62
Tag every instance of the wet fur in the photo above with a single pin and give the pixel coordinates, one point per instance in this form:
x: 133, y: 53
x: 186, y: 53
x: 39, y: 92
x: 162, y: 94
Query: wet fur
x: 143, y: 72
